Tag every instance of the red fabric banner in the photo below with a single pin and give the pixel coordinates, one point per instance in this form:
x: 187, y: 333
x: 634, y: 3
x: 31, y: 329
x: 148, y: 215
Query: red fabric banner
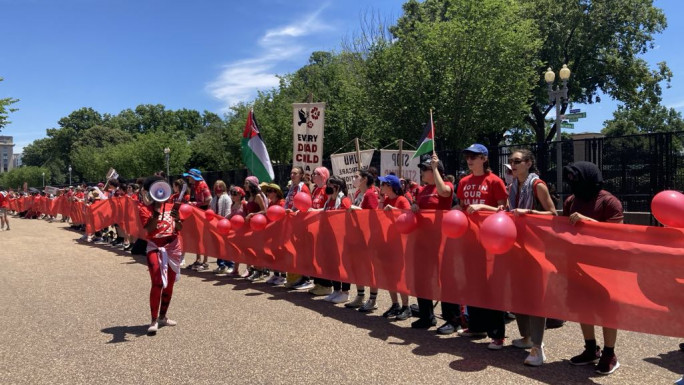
x: 621, y: 276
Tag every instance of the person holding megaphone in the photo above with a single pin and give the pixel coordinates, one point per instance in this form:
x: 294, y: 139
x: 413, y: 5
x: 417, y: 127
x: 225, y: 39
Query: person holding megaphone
x: 164, y: 249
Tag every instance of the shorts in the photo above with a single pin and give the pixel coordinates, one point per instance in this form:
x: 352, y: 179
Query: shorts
x: 3, y: 210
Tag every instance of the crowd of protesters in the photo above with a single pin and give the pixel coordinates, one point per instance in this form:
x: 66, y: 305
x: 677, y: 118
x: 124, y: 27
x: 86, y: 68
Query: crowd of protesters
x: 522, y: 193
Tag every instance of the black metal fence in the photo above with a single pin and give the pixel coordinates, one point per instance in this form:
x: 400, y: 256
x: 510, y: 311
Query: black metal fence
x: 634, y: 167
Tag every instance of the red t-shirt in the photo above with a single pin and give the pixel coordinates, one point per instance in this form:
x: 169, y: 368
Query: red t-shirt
x: 369, y: 200
x: 280, y: 202
x: 174, y: 197
x: 202, y: 193
x: 165, y: 226
x: 345, y: 203
x: 318, y: 198
x: 485, y: 189
x: 400, y: 202
x: 4, y: 201
x: 605, y: 208
x: 294, y: 189
x: 428, y: 198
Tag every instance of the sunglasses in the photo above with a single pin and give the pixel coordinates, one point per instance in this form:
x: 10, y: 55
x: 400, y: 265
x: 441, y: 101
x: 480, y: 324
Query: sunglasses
x: 314, y: 174
x: 515, y: 161
x: 270, y: 190
x: 234, y: 193
x: 471, y: 156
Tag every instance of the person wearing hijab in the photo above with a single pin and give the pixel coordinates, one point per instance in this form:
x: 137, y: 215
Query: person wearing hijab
x: 590, y: 203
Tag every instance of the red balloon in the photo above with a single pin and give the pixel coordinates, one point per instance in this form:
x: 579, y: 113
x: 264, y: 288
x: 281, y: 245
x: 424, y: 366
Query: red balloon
x: 258, y: 222
x: 302, y: 201
x: 406, y: 222
x: 454, y: 224
x: 668, y: 208
x: 275, y: 213
x: 498, y: 233
x: 209, y: 214
x: 237, y: 221
x: 223, y: 226
x: 184, y: 211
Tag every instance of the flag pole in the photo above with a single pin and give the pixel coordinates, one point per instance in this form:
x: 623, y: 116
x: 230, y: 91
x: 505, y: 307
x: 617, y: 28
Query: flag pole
x: 401, y: 158
x: 358, y: 155
x: 432, y: 128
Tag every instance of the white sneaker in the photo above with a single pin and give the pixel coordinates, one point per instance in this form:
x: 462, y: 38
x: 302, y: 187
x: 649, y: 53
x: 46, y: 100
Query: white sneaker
x: 331, y: 297
x: 280, y: 281
x: 166, y: 322
x: 536, y: 357
x: 152, y: 330
x: 522, y: 343
x: 342, y: 297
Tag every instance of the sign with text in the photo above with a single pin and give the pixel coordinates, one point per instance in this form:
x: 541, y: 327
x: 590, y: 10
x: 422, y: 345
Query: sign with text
x: 345, y: 166
x: 307, y: 135
x: 390, y: 161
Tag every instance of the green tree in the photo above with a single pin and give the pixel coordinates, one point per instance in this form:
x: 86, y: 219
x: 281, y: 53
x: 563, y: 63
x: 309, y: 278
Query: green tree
x: 472, y: 62
x: 5, y: 109
x: 645, y: 113
x: 601, y: 42
x: 33, y: 176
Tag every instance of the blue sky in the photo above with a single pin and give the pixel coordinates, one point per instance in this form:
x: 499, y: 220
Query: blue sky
x: 59, y: 56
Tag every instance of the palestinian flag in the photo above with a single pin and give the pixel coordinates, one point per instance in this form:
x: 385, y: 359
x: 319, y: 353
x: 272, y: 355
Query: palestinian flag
x: 254, y: 153
x: 427, y: 141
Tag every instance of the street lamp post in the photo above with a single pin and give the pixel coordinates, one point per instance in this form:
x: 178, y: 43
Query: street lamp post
x: 43, y: 179
x: 557, y: 97
x: 167, y: 152
x: 69, y: 175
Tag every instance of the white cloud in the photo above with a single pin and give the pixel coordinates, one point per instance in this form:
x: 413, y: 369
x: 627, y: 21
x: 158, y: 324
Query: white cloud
x: 677, y: 105
x: 240, y: 80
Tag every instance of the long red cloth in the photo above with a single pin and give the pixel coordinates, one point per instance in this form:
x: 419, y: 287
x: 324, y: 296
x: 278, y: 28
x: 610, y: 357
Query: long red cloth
x: 620, y: 276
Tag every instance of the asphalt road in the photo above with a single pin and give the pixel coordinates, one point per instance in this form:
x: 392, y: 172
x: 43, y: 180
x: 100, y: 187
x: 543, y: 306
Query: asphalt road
x: 74, y: 313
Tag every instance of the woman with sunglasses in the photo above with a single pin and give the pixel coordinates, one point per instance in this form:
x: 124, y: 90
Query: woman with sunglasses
x: 336, y: 191
x: 528, y: 194
x: 296, y: 185
x: 237, y: 207
x: 318, y: 198
x: 395, y: 199
x: 482, y: 190
x: 220, y: 204
x: 365, y: 198
x: 434, y: 195
x: 256, y: 204
x: 275, y: 198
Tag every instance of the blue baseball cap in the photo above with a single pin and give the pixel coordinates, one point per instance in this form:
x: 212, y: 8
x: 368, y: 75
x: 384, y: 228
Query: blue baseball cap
x: 194, y: 174
x: 392, y: 180
x: 477, y: 148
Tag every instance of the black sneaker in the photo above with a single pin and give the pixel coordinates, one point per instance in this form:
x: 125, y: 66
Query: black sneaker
x: 424, y: 323
x: 446, y: 329
x: 552, y: 323
x: 415, y: 310
x: 681, y: 346
x: 392, y: 311
x: 607, y: 364
x: 404, y: 313
x: 587, y: 357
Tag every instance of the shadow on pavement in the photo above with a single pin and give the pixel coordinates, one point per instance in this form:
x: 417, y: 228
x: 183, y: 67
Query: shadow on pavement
x: 120, y: 333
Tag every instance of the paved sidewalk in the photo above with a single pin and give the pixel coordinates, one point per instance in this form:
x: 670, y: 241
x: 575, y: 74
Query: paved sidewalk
x: 74, y: 313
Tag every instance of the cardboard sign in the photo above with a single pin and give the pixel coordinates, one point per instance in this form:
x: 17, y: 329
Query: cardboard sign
x: 345, y: 166
x: 390, y: 161
x: 307, y: 135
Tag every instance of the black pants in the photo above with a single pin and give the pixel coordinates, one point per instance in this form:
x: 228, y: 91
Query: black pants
x: 487, y: 320
x: 323, y: 282
x: 337, y: 286
x: 450, y: 311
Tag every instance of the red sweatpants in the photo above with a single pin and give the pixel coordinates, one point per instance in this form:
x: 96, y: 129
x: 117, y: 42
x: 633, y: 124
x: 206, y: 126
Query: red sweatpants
x: 157, y: 292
